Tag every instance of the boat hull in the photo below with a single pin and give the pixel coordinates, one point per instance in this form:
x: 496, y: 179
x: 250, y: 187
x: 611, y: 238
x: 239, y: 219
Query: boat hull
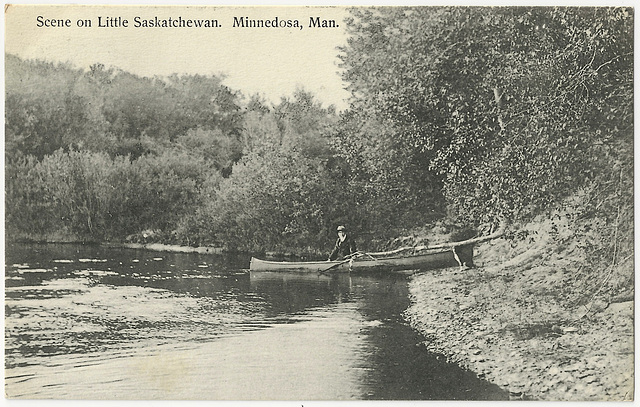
x: 461, y: 255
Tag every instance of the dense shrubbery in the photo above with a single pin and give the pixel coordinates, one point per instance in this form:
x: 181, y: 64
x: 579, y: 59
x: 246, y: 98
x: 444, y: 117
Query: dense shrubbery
x: 105, y: 154
x: 288, y: 191
x: 49, y: 107
x: 95, y: 197
x: 512, y: 109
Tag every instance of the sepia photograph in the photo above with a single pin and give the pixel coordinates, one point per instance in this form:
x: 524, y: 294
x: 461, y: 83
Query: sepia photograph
x: 319, y: 203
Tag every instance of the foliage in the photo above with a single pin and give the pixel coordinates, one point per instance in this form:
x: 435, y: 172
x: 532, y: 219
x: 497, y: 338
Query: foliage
x: 217, y: 149
x: 42, y: 111
x: 516, y: 115
x: 268, y: 201
x: 385, y: 176
x: 503, y: 105
x: 96, y: 197
x: 281, y: 194
x: 49, y: 107
x: 103, y: 154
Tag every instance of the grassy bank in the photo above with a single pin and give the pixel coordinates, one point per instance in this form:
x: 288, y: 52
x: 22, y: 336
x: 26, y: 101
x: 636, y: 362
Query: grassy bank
x: 530, y: 320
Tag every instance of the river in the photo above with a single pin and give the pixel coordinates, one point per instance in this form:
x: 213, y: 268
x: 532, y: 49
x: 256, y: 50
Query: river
x: 91, y: 322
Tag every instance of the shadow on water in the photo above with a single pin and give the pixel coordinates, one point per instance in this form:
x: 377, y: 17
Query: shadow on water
x: 78, y: 300
x: 402, y: 368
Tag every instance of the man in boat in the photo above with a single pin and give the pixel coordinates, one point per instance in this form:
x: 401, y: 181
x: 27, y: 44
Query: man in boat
x: 345, y: 245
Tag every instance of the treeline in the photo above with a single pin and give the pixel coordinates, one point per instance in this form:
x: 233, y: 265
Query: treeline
x: 467, y: 116
x: 106, y: 155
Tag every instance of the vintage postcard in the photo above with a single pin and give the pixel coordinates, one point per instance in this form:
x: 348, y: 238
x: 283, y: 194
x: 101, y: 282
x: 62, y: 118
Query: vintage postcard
x: 319, y: 203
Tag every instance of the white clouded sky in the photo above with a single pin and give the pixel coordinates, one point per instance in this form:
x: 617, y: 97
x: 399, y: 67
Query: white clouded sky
x: 270, y: 61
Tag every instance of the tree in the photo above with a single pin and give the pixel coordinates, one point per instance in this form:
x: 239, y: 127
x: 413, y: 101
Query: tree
x: 281, y: 193
x: 203, y: 102
x: 43, y: 112
x: 505, y: 107
x: 218, y: 150
x: 386, y: 175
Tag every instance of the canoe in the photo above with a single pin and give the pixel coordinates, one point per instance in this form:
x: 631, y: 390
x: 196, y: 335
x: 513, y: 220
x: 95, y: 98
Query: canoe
x: 446, y: 257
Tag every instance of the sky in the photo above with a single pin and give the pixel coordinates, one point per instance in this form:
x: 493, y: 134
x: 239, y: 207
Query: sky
x: 273, y: 62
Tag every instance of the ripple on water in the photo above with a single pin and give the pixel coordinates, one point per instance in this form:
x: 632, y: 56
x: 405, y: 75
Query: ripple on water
x: 24, y: 270
x: 78, y: 315
x: 272, y: 364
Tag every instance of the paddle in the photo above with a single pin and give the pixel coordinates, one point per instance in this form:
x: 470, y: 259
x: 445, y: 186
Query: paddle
x: 334, y: 265
x: 348, y: 259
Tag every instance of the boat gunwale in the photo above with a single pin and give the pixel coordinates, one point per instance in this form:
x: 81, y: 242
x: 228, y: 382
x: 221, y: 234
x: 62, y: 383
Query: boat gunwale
x: 354, y: 260
x: 357, y: 260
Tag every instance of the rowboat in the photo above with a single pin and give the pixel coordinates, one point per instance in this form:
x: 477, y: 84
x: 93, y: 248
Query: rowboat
x: 384, y: 261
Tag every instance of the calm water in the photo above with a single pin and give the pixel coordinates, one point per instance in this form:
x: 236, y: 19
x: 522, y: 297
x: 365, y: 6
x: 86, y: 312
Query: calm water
x: 102, y: 323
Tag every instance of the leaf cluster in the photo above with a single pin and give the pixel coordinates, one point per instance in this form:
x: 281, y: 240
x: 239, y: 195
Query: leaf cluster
x: 509, y: 109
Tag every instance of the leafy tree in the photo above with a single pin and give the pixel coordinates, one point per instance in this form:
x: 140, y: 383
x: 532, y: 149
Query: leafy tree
x: 305, y: 124
x: 203, y: 102
x: 105, y: 109
x: 136, y: 107
x: 42, y: 111
x: 281, y: 194
x: 218, y: 150
x: 260, y: 132
x: 385, y: 175
x: 503, y: 105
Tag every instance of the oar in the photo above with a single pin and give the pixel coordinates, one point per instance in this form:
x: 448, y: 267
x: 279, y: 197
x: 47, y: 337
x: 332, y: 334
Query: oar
x: 334, y: 265
x: 348, y: 259
x: 345, y: 260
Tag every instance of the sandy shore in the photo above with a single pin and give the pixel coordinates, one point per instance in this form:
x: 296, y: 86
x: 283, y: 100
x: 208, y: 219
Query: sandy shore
x: 498, y: 322
x: 159, y: 247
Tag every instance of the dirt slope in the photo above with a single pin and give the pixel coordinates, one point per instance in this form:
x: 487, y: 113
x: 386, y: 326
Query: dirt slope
x: 509, y: 321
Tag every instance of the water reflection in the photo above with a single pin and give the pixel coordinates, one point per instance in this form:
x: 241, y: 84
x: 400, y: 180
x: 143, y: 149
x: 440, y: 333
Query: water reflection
x: 395, y: 366
x: 94, y: 322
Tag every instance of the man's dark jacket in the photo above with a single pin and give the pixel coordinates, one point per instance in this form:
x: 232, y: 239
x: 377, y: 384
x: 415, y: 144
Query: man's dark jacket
x: 343, y: 248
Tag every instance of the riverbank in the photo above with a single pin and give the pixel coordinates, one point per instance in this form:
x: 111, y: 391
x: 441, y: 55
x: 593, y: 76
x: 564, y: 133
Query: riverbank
x: 507, y: 321
x: 164, y: 247
x: 156, y: 247
x: 160, y: 247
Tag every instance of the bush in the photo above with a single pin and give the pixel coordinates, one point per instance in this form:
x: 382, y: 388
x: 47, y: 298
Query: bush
x: 96, y: 197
